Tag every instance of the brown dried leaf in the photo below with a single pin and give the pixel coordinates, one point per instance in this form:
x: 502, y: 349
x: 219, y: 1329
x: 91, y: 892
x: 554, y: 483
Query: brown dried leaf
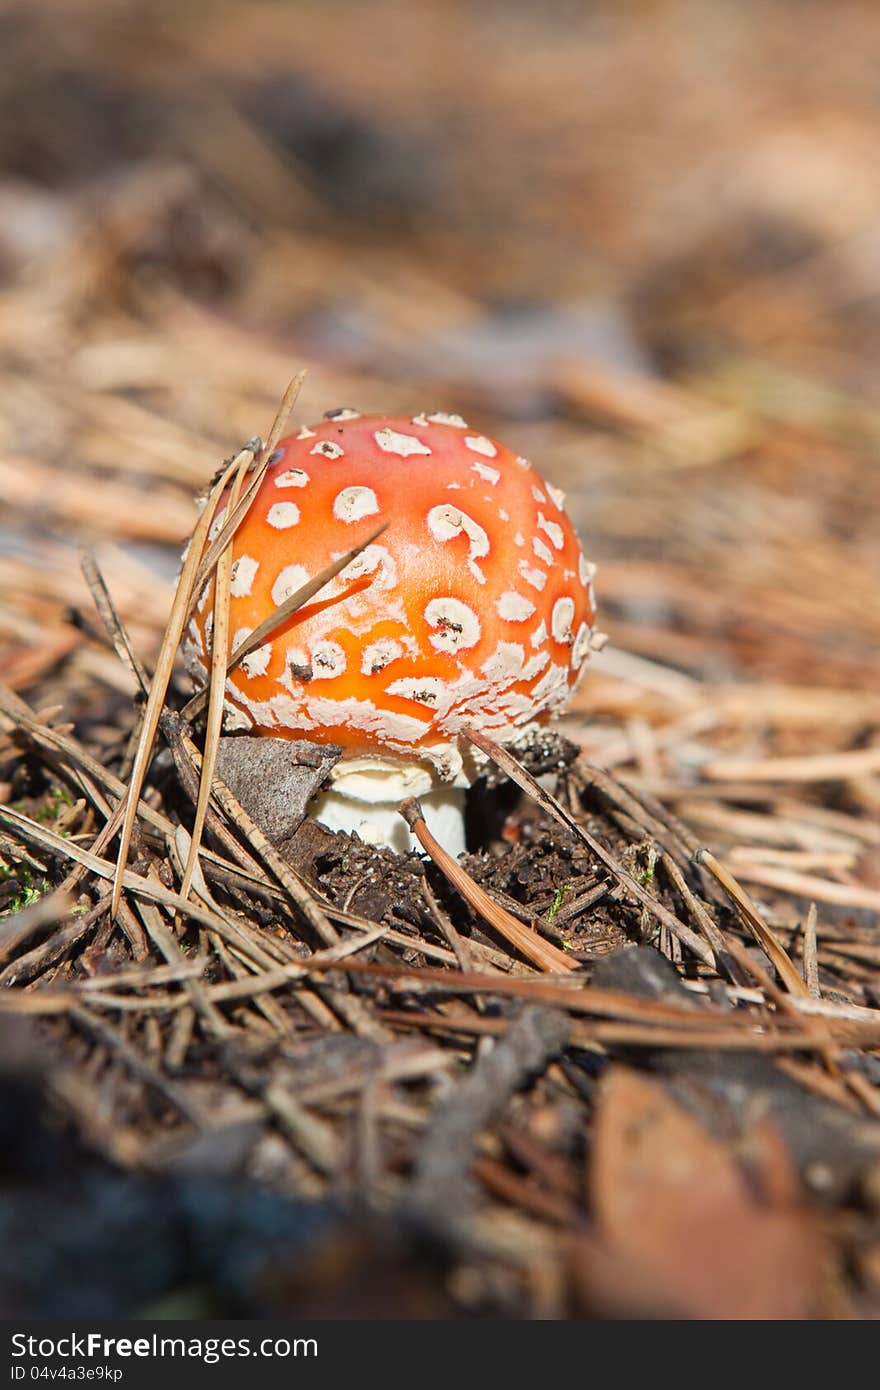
x: 677, y: 1216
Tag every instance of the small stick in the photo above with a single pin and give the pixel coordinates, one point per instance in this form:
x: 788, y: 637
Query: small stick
x: 238, y: 512
x: 446, y: 1152
x: 712, y: 933
x: 285, y: 407
x: 298, y: 893
x: 281, y: 614
x: 448, y: 928
x: 113, y: 1040
x: 216, y: 691
x: 532, y: 946
x: 749, y: 913
x: 231, y: 522
x: 47, y: 911
x: 811, y: 956
x: 111, y: 619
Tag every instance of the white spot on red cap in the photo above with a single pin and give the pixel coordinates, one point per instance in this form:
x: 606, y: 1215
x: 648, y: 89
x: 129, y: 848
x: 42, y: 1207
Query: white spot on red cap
x: 291, y: 578
x: 446, y: 522
x: 286, y: 713
x: 557, y: 496
x: 354, y: 503
x: 343, y: 412
x: 328, y: 449
x: 553, y: 530
x: 377, y: 655
x: 479, y: 444
x: 377, y: 560
x: 552, y: 688
x: 297, y: 669
x: 393, y: 442
x: 235, y: 718
x: 535, y: 664
x: 283, y: 515
x: 328, y: 660
x: 429, y: 690
x: 539, y: 635
x: 538, y: 494
x: 523, y: 463
x: 243, y: 573
x: 291, y: 477
x: 586, y: 570
x: 458, y: 625
x: 581, y: 648
x: 542, y: 551
x: 506, y: 662
x: 306, y: 433
x: 487, y: 473
x: 257, y: 661
x: 562, y: 618
x: 439, y: 417
x: 514, y: 607
x: 537, y: 578
x: 368, y: 717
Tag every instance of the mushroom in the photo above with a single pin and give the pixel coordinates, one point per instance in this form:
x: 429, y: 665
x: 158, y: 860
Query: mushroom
x: 474, y: 608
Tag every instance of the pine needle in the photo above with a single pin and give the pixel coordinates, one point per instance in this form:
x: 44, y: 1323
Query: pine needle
x: 749, y: 913
x: 527, y: 941
x: 281, y: 614
x: 164, y: 667
x: 214, y: 723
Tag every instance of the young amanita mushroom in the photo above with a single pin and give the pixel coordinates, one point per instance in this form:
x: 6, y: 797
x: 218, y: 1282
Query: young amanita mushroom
x: 474, y: 608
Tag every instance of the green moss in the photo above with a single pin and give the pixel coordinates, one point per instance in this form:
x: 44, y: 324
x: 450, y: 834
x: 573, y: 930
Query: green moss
x: 558, y: 901
x: 30, y: 888
x: 53, y: 802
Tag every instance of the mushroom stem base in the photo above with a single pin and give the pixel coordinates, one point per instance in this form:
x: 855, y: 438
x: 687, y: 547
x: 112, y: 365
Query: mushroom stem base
x: 380, y: 822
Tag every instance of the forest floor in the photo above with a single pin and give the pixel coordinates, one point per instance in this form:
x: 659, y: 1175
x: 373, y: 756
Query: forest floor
x: 325, y: 1084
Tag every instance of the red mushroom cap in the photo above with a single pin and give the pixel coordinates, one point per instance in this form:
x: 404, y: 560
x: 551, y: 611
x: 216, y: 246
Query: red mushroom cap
x: 474, y: 607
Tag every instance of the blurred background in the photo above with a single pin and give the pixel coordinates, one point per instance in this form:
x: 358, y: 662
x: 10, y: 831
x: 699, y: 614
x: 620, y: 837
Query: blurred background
x: 638, y: 241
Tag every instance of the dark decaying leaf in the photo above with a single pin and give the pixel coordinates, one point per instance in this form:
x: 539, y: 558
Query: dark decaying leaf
x: 683, y: 1227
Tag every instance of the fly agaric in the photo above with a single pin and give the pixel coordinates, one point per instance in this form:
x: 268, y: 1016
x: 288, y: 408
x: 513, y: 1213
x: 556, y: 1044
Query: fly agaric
x: 474, y: 608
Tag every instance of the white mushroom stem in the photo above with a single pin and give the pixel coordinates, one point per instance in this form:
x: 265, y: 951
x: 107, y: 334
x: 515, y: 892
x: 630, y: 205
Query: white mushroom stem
x: 364, y: 795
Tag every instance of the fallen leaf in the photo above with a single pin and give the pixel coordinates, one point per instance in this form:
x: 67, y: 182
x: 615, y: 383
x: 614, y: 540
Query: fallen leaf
x: 681, y: 1232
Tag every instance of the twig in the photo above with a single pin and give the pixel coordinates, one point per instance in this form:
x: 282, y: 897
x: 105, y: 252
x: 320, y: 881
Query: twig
x: 284, y: 610
x: 751, y: 916
x: 112, y: 621
x: 811, y: 960
x: 532, y: 946
x: 445, y: 1154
